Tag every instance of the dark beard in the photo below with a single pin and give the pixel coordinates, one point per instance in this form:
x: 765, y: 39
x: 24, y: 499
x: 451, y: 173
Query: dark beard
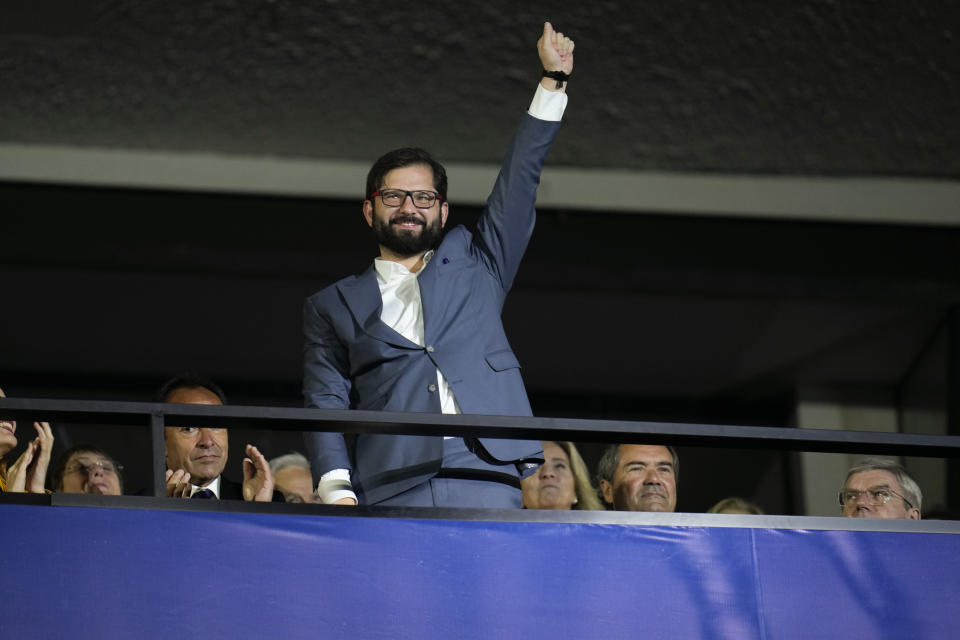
x: 407, y: 243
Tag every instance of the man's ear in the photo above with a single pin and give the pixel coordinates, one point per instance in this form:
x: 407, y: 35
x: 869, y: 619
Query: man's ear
x: 444, y: 212
x: 368, y: 212
x: 607, y: 490
x: 913, y: 514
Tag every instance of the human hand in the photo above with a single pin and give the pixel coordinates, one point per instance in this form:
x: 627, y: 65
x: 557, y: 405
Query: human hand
x: 37, y: 471
x: 345, y: 502
x: 17, y: 473
x: 257, y: 478
x: 556, y: 50
x: 178, y: 483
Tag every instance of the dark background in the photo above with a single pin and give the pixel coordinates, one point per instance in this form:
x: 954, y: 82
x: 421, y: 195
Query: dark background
x: 629, y: 314
x: 697, y: 325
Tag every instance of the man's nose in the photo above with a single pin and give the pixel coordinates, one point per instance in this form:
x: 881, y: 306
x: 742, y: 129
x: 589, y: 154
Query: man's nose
x: 206, y: 438
x: 651, y: 477
x: 407, y: 205
x: 861, y: 500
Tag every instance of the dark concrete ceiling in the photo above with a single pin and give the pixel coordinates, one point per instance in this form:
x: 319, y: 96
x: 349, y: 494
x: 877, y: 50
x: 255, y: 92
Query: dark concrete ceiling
x: 803, y: 87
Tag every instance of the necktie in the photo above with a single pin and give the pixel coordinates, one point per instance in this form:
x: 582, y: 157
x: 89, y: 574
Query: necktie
x: 203, y: 494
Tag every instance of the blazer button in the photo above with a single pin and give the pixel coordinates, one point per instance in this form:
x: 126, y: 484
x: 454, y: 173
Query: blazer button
x: 432, y: 388
x: 429, y: 348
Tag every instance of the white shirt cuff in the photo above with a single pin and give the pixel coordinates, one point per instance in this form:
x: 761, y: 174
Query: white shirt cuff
x: 548, y: 105
x: 335, y: 485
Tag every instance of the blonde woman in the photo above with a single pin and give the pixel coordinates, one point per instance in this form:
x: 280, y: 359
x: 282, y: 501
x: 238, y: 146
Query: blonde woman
x: 562, y: 482
x: 736, y: 506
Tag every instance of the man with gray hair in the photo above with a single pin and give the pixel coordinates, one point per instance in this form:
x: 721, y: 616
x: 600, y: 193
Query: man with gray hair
x: 291, y: 474
x: 880, y: 488
x: 639, y: 477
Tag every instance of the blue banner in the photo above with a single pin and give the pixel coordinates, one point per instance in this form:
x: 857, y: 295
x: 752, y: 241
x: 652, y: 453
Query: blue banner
x: 72, y: 572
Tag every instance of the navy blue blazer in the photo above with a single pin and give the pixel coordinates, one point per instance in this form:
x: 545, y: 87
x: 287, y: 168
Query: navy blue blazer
x: 352, y: 360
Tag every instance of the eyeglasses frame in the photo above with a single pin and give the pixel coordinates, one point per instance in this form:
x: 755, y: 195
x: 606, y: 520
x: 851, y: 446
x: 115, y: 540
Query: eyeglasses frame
x: 861, y: 492
x: 116, y: 467
x: 407, y: 194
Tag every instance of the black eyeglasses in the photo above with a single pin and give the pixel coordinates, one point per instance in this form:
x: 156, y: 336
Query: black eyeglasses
x: 422, y: 199
x: 875, y: 496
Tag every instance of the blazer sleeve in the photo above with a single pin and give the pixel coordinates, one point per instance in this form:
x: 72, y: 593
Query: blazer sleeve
x: 326, y: 384
x: 505, y: 227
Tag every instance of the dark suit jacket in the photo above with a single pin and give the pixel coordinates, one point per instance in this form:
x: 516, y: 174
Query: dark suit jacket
x: 230, y: 490
x: 353, y: 360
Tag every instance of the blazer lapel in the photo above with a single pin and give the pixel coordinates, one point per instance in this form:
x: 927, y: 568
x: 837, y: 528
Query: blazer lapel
x: 362, y: 297
x: 427, y: 281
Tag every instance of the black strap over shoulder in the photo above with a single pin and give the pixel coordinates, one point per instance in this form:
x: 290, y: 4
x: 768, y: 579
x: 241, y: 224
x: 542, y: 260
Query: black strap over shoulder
x: 522, y: 464
x: 481, y: 475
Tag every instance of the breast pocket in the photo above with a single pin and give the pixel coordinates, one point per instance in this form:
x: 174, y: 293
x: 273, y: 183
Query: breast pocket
x: 502, y: 360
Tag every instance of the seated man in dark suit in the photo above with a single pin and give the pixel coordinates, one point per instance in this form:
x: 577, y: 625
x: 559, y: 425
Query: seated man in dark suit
x: 196, y: 456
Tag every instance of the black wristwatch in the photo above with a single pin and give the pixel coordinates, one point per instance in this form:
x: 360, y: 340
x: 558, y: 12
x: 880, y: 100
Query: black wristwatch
x: 559, y: 76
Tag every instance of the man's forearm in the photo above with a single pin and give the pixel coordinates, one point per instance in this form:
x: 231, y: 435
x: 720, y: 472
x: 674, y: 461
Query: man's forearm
x: 548, y: 104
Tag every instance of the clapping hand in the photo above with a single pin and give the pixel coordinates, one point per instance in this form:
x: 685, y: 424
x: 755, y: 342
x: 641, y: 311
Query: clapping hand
x: 257, y: 478
x: 178, y: 483
x: 29, y: 472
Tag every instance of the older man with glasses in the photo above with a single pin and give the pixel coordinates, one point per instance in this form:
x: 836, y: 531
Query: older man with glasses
x: 880, y: 488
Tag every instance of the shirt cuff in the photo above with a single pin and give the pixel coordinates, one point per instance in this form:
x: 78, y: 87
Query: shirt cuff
x: 335, y: 485
x: 548, y: 105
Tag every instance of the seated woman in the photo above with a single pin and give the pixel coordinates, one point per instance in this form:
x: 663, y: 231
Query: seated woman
x: 87, y: 469
x: 30, y: 469
x: 562, y: 482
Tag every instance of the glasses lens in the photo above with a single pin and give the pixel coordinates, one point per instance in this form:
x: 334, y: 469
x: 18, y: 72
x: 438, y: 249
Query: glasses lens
x: 424, y: 199
x: 392, y: 198
x: 850, y: 497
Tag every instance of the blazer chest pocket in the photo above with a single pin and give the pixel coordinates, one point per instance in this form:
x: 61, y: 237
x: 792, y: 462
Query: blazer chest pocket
x: 502, y: 360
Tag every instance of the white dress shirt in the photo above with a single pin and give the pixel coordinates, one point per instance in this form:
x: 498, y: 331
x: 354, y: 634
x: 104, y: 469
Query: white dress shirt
x: 213, y: 486
x: 403, y: 312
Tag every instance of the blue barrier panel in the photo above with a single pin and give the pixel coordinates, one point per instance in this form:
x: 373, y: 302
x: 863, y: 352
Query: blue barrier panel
x: 72, y: 572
